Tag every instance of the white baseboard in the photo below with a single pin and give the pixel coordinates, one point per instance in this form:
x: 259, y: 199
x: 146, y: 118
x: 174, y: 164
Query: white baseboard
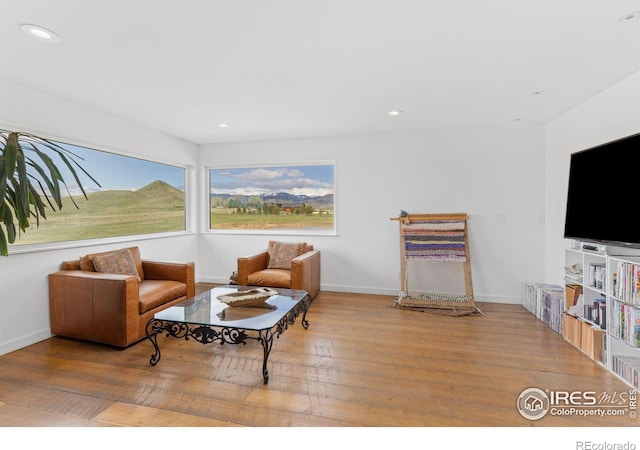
x: 8, y: 347
x: 498, y: 299
x: 214, y: 280
x: 380, y: 291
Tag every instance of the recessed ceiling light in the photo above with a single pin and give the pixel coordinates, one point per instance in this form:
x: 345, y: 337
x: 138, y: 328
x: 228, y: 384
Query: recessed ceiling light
x: 223, y: 125
x: 629, y: 16
x: 395, y: 112
x: 39, y: 32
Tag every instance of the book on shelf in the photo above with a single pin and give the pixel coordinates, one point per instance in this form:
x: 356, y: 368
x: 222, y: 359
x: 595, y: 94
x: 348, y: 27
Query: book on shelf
x: 546, y: 302
x: 597, y: 275
x: 634, y: 326
x: 602, y: 314
x: 625, y: 323
x: 597, y: 312
x: 573, y: 273
x: 627, y: 368
x: 626, y: 282
x: 591, y: 313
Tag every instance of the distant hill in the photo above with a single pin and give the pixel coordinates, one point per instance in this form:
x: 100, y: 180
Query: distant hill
x: 322, y: 201
x: 155, y: 208
x: 160, y: 189
x: 157, y: 195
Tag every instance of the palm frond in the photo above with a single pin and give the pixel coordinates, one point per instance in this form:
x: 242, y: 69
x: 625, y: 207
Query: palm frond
x: 27, y: 173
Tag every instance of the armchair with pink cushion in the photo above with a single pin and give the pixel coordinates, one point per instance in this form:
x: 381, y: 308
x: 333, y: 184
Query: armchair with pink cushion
x: 291, y: 265
x: 109, y: 297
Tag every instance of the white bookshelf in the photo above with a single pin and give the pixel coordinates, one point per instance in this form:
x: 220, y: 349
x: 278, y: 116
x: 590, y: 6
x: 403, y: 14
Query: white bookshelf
x: 610, y: 275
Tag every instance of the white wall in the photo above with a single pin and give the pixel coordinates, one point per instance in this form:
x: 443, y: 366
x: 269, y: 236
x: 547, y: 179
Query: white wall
x: 23, y: 276
x: 612, y: 114
x: 483, y: 172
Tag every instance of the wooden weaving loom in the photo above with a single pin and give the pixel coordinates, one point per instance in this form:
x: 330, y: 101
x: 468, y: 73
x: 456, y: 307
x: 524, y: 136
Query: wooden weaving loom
x: 436, y: 238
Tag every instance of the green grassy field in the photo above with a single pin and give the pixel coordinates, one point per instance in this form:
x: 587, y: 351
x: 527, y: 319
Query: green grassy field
x: 156, y: 208
x: 229, y: 219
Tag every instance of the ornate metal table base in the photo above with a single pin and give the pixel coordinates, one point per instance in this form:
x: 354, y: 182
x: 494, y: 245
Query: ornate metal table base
x: 207, y: 334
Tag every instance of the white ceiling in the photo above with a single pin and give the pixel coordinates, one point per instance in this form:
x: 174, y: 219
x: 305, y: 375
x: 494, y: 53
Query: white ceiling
x: 275, y: 69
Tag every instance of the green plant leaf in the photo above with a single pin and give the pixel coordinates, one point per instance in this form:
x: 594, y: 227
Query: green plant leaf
x: 4, y: 248
x: 68, y: 158
x: 11, y: 154
x: 20, y: 206
x: 8, y: 223
x: 54, y: 185
x: 3, y: 176
x: 6, y: 218
x: 34, y: 199
x: 22, y: 188
x: 44, y: 194
x: 27, y: 174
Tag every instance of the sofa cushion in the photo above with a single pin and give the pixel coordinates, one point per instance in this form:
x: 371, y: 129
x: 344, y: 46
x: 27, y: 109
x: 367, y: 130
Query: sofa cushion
x: 117, y: 262
x: 86, y: 261
x: 270, y: 277
x: 153, y: 293
x: 281, y: 253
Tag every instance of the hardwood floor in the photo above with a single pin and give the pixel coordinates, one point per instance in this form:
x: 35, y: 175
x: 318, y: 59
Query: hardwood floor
x: 360, y: 364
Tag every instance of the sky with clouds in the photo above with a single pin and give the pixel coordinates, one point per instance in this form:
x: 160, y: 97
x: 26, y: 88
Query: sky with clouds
x: 312, y: 180
x: 114, y: 171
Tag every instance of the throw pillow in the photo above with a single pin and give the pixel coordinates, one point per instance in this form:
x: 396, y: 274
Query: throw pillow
x: 118, y: 262
x: 281, y: 253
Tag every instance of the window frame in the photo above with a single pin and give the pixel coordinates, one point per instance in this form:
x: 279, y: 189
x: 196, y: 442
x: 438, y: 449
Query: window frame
x: 189, y: 222
x: 206, y: 201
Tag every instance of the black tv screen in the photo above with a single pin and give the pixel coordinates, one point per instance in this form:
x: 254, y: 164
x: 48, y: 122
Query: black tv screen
x: 603, y: 194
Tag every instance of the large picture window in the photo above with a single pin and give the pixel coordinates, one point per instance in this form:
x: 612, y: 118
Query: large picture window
x: 135, y: 197
x: 286, y: 198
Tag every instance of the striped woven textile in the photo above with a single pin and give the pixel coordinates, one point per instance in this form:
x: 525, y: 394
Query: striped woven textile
x: 435, y: 240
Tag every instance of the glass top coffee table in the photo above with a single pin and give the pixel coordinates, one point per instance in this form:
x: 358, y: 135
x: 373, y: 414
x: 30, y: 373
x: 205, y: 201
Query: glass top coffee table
x: 205, y: 319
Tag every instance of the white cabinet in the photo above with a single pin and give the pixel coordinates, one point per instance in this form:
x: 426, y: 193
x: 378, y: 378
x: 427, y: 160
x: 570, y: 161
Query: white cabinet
x: 605, y: 324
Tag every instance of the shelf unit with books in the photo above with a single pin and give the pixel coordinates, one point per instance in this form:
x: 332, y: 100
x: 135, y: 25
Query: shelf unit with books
x: 602, y: 301
x: 585, y: 301
x: 624, y: 318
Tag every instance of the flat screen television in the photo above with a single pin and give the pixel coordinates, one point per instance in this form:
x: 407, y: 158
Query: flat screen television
x: 603, y: 194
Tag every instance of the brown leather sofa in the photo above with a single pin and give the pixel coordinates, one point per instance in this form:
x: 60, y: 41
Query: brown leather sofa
x: 302, y: 274
x: 114, y: 308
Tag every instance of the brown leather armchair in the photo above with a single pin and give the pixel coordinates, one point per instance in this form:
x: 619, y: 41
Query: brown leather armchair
x: 301, y: 272
x: 114, y: 308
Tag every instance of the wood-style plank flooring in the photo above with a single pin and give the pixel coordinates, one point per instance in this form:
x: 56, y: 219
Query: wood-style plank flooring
x: 361, y: 363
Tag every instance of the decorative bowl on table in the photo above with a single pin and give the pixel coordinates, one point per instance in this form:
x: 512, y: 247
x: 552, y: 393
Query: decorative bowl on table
x: 248, y: 297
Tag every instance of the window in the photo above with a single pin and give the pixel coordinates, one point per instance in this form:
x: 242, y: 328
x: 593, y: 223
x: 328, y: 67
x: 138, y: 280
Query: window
x: 135, y: 197
x: 284, y: 198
